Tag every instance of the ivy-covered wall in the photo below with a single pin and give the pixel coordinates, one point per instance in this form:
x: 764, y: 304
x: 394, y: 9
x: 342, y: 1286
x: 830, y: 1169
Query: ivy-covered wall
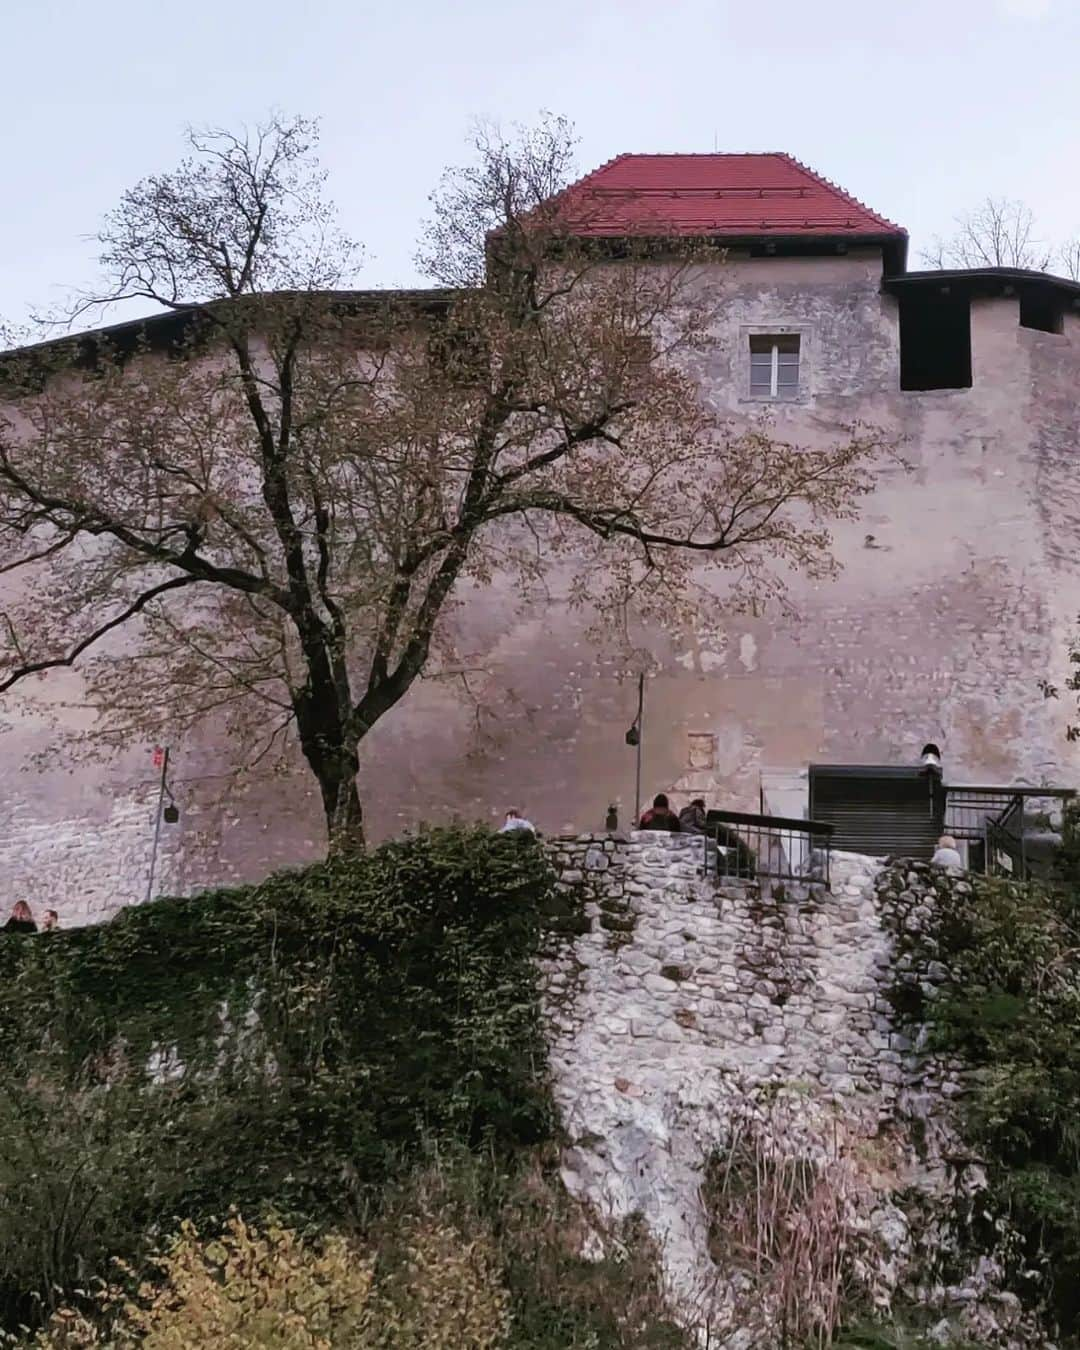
x: 289, y: 1045
x: 989, y: 972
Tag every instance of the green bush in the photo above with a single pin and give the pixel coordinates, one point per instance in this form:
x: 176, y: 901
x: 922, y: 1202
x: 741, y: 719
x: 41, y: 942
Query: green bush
x: 557, y: 1299
x: 464, y: 1254
x: 284, y: 1046
x: 1011, y: 1011
x: 350, y: 1054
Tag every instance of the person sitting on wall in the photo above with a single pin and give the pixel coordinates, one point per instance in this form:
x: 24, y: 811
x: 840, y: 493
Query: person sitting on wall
x: 22, y: 919
x: 947, y: 854
x: 515, y: 821
x: 660, y: 816
x: 692, y: 817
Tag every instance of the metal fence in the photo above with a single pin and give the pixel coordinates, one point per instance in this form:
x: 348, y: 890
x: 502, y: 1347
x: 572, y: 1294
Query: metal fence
x: 1007, y: 830
x: 748, y: 847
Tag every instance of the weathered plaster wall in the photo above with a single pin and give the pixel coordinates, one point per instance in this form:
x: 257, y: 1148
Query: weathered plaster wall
x: 687, y: 1011
x: 938, y: 628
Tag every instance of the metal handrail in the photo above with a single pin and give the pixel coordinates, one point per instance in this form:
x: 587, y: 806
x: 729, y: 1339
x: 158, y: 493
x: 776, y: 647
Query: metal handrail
x: 994, y: 817
x: 777, y: 848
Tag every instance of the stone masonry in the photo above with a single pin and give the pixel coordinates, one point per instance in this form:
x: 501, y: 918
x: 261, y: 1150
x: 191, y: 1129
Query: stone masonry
x: 959, y: 588
x: 86, y: 867
x: 675, y: 1004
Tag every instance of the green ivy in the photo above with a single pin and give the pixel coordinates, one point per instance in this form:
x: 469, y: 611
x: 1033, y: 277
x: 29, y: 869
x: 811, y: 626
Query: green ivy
x: 308, y: 1033
x: 1011, y: 1012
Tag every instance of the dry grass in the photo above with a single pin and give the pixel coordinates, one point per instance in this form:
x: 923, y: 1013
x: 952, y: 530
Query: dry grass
x: 786, y: 1232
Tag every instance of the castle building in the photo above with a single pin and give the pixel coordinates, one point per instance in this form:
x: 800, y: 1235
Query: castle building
x: 959, y: 590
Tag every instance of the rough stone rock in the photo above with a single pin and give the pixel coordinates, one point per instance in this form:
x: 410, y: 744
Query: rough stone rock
x: 780, y: 1002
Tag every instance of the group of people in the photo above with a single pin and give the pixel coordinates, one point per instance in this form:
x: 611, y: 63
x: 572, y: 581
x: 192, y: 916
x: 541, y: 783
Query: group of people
x: 22, y: 920
x: 691, y: 820
x: 660, y: 816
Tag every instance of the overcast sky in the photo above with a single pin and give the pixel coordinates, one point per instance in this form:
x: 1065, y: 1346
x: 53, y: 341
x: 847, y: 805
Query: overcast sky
x: 917, y: 108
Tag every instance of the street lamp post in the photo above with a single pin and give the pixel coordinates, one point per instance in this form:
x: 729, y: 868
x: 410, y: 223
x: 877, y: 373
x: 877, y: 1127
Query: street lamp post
x: 168, y: 813
x: 633, y: 737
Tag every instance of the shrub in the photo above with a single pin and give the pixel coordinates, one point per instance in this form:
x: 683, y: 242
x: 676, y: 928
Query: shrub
x: 287, y: 1046
x: 243, y: 1288
x: 524, y: 1220
x: 787, y: 1227
x: 79, y: 1176
x: 1011, y: 1010
x: 461, y: 1256
x: 444, y: 1293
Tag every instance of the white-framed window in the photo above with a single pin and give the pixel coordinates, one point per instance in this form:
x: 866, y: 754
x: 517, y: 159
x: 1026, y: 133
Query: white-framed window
x: 774, y: 365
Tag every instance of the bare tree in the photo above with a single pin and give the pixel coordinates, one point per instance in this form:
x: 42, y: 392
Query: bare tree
x: 269, y: 513
x: 1068, y: 258
x: 997, y: 233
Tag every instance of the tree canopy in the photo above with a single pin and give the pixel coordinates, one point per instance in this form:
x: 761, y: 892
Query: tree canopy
x: 264, y: 504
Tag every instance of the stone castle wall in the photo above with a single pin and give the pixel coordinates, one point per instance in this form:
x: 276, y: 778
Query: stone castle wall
x: 679, y: 1009
x: 959, y: 585
x: 87, y: 866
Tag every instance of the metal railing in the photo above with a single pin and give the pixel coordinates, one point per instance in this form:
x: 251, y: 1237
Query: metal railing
x: 998, y: 825
x: 749, y: 847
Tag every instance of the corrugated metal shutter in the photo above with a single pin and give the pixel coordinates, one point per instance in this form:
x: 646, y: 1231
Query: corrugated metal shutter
x: 876, y: 812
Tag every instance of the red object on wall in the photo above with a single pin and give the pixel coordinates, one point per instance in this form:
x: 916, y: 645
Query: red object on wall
x: 159, y: 757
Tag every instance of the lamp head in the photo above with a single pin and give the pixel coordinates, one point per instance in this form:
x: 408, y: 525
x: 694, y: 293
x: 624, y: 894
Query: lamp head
x: 930, y: 760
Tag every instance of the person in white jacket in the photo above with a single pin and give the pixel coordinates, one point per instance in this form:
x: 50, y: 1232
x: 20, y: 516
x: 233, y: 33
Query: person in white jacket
x: 947, y: 854
x: 515, y: 821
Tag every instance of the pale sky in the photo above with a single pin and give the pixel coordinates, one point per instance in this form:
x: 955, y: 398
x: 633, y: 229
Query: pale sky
x: 919, y: 109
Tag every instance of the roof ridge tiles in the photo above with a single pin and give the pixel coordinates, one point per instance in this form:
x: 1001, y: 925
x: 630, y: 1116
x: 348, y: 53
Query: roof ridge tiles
x: 835, y: 187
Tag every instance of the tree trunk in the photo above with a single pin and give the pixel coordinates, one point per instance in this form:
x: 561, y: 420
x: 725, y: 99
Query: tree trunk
x: 344, y: 815
x: 333, y: 760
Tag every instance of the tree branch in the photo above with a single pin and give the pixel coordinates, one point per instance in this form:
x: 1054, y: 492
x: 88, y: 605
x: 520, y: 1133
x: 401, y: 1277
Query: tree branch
x: 34, y: 667
x: 76, y: 518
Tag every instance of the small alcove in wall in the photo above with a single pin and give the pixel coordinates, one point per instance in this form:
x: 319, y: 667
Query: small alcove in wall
x: 935, y: 340
x: 1042, y: 310
x: 934, y: 312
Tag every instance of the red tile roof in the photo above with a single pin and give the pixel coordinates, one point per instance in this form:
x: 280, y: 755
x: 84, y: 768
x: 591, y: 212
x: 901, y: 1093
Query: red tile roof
x: 708, y: 195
